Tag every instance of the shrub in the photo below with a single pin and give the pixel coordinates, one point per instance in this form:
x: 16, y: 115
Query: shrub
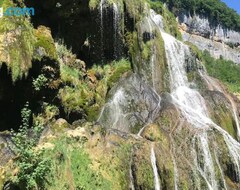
x: 40, y: 82
x: 32, y: 166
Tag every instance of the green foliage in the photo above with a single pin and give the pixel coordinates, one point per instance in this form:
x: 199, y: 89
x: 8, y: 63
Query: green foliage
x: 45, y: 41
x: 72, y: 168
x: 18, y: 42
x: 88, y: 95
x: 170, y: 23
x: 40, y: 82
x: 32, y: 167
x: 119, y: 68
x: 226, y: 71
x: 70, y: 75
x: 46, y: 116
x: 216, y: 11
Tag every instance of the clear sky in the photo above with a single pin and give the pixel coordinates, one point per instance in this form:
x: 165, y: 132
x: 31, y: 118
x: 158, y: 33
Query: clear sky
x: 234, y: 4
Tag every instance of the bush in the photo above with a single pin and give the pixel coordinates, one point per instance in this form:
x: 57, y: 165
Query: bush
x: 32, y: 166
x: 40, y: 82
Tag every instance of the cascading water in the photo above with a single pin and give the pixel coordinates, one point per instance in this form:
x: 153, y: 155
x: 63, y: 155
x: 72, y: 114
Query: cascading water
x: 193, y: 107
x: 155, y: 171
x: 203, y: 162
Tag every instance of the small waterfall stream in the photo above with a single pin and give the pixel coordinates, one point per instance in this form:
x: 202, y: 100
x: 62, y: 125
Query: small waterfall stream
x: 213, y: 85
x: 155, y: 171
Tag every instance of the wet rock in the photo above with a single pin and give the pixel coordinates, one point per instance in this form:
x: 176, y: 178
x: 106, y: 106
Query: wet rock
x: 132, y: 104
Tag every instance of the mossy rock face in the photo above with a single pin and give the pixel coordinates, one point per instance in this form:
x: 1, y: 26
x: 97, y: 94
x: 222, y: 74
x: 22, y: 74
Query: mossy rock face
x: 44, y: 45
x: 60, y: 125
x: 142, y: 168
x: 153, y: 133
x: 219, y: 107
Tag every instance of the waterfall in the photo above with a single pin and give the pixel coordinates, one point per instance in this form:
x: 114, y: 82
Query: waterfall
x: 155, y: 171
x: 193, y: 107
x: 116, y: 118
x: 117, y: 22
x: 203, y: 161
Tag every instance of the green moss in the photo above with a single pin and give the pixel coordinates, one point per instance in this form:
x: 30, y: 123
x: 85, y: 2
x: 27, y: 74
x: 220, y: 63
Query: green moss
x: 75, y: 99
x: 93, y: 112
x: 70, y: 75
x: 71, y: 168
x: 143, y: 170
x: 136, y: 9
x: 170, y: 23
x: 198, y: 53
x: 93, y: 4
x: 119, y: 68
x: 45, y: 40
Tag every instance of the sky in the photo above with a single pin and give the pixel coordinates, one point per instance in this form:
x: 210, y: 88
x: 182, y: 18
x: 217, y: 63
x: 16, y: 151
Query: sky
x: 234, y: 4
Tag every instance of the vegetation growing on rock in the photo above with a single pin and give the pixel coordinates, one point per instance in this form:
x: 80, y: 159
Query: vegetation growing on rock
x: 215, y: 10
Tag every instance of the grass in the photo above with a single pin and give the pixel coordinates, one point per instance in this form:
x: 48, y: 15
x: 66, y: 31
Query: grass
x: 71, y: 168
x: 88, y: 95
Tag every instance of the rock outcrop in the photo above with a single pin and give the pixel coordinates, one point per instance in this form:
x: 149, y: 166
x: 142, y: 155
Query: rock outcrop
x: 219, y: 41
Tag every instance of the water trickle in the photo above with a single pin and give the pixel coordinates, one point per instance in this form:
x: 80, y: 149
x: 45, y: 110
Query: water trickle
x: 101, y: 9
x: 221, y: 171
x: 155, y: 171
x: 117, y: 26
x: 131, y: 186
x: 213, y: 85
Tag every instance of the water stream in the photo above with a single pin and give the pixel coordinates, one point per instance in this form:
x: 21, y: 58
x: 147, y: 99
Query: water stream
x: 155, y: 171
